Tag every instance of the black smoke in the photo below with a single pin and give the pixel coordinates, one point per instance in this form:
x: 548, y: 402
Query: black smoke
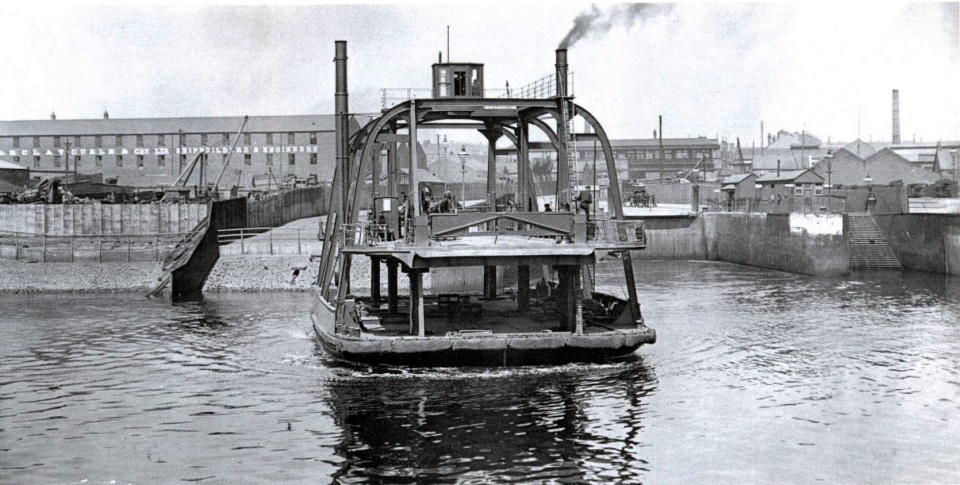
x: 594, y: 21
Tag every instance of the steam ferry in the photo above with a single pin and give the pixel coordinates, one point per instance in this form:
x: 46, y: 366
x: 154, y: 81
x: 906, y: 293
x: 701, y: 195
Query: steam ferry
x: 500, y: 283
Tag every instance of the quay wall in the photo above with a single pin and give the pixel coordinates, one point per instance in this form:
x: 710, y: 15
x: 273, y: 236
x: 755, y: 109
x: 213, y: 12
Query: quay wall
x: 812, y: 246
x: 106, y: 219
x: 925, y: 242
x: 680, y: 238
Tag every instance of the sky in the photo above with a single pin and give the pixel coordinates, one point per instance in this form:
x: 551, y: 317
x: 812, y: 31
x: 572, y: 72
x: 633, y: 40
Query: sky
x: 710, y: 69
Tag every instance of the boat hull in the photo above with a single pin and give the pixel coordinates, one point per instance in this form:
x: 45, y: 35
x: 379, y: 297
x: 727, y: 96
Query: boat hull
x: 486, y: 350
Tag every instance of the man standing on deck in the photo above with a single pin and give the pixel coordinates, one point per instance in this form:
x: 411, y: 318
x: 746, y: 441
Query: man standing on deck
x: 586, y: 198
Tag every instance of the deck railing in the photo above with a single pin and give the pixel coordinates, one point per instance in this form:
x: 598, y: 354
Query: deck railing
x: 550, y: 225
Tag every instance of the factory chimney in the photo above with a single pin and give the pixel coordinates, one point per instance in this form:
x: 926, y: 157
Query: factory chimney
x: 896, y: 116
x: 341, y: 127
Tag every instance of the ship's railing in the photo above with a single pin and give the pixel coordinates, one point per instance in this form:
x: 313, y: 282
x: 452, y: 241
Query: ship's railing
x: 362, y: 234
x: 562, y: 226
x: 617, y: 232
x: 545, y: 87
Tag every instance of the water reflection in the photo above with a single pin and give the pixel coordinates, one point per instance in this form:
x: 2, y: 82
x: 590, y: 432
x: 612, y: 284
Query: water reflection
x: 567, y: 424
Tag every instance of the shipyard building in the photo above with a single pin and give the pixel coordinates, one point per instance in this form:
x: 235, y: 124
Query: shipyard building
x: 154, y: 151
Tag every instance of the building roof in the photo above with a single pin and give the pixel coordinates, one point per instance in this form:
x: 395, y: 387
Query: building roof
x: 737, y: 178
x: 860, y: 148
x: 883, y: 167
x: 144, y: 126
x: 795, y: 140
x: 785, y: 176
x: 701, y: 143
x: 5, y: 165
x: 8, y: 188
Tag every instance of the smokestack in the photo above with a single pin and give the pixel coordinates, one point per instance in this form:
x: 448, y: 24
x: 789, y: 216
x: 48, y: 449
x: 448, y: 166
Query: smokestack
x: 341, y: 129
x: 561, y: 72
x: 896, y: 116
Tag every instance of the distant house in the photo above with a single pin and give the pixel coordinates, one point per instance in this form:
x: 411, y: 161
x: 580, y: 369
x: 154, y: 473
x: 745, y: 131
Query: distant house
x: 739, y: 186
x: 883, y: 167
x: 790, y: 183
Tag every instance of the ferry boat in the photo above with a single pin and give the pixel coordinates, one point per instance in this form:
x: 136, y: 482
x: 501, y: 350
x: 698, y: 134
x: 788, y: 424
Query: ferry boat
x: 500, y: 283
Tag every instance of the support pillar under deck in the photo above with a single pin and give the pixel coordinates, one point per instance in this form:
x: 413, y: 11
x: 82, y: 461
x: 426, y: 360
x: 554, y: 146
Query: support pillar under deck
x: 392, y: 300
x: 416, y: 303
x: 489, y: 282
x: 523, y: 287
x: 375, y: 279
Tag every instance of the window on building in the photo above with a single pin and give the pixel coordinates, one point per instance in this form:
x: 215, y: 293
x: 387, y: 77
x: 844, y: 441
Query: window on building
x: 269, y: 159
x: 36, y: 161
x: 16, y: 142
x: 246, y: 138
x: 119, y: 160
x: 76, y: 141
x: 98, y: 161
x: 313, y: 159
x: 292, y: 159
x: 798, y: 190
x: 183, y: 161
x: 76, y: 161
x: 16, y: 159
x: 203, y: 139
x: 140, y: 161
x: 98, y: 141
x: 119, y: 141
x: 56, y: 142
x: 290, y: 139
x: 56, y: 160
x: 36, y: 142
x: 161, y: 140
x: 226, y: 138
x: 817, y: 189
x: 139, y: 140
x: 269, y: 138
x: 247, y: 159
x: 313, y: 138
x: 183, y: 139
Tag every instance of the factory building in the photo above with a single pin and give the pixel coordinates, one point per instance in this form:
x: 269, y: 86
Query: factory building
x: 152, y: 152
x: 643, y: 158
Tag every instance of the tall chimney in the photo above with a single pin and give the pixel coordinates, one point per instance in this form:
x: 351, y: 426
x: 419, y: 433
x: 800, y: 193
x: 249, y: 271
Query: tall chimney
x: 896, y: 116
x: 562, y: 72
x: 341, y: 127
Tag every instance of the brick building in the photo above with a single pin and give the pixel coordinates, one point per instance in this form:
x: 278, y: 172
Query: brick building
x: 153, y: 151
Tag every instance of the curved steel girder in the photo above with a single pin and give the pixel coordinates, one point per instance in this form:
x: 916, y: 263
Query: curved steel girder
x: 375, y: 128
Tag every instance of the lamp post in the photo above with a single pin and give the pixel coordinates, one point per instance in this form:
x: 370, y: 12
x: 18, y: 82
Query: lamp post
x: 463, y: 174
x: 829, y: 158
x: 955, y: 156
x: 441, y: 148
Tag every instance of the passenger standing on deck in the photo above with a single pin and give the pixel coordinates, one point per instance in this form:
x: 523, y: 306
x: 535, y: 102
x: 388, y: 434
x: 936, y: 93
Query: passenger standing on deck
x: 446, y: 205
x: 586, y: 198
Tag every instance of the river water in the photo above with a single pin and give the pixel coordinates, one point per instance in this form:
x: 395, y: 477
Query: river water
x: 758, y: 376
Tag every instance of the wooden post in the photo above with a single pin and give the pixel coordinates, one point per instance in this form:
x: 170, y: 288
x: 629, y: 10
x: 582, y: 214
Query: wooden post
x: 523, y: 287
x: 392, y: 287
x: 416, y: 303
x: 375, y: 279
x: 44, y: 245
x: 16, y: 247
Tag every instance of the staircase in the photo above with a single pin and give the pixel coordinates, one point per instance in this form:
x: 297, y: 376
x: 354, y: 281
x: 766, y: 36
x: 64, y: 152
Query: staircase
x: 867, y: 247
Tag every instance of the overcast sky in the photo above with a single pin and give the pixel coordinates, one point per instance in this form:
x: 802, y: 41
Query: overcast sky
x: 709, y: 69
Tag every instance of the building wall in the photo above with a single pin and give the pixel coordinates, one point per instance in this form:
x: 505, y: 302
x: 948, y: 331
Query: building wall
x: 152, y: 159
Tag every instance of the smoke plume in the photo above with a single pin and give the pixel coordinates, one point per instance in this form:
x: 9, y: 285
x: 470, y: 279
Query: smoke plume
x: 597, y: 22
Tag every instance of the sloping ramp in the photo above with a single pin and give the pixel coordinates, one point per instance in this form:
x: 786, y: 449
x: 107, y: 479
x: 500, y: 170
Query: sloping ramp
x: 188, y: 266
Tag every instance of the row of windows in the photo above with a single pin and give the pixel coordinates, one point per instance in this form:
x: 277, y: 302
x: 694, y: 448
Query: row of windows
x: 162, y: 160
x: 161, y: 140
x: 667, y: 154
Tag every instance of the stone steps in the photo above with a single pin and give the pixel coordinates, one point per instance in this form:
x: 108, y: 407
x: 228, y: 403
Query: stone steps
x: 867, y: 247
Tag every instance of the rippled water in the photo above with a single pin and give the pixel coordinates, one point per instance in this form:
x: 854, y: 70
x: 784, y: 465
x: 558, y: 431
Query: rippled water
x: 758, y: 376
